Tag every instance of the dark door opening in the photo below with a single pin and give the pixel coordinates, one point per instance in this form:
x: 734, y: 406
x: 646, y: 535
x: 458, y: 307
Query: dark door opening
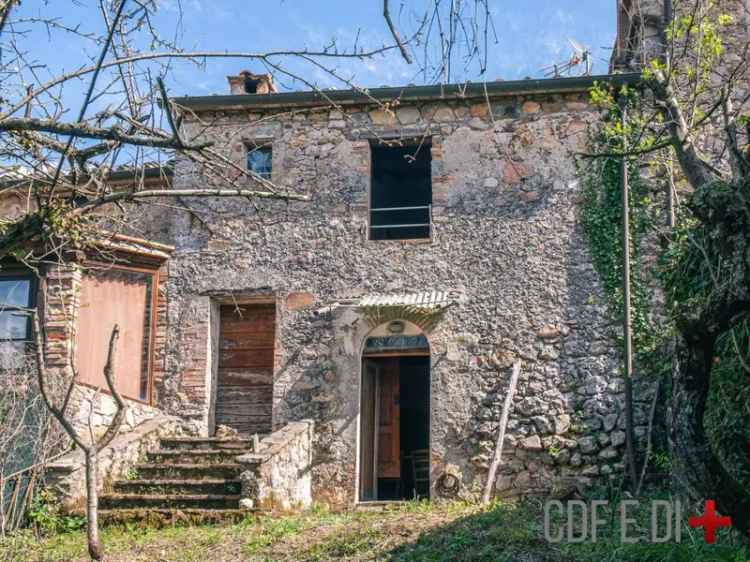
x: 395, y: 428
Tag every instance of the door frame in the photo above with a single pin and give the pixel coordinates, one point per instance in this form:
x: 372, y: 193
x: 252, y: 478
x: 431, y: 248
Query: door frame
x: 357, y: 464
x: 213, y: 343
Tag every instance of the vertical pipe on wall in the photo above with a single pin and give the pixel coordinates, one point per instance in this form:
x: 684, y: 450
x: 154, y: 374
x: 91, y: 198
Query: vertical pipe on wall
x: 627, y: 325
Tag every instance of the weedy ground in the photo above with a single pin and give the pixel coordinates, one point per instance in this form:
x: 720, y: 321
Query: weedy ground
x: 414, y: 531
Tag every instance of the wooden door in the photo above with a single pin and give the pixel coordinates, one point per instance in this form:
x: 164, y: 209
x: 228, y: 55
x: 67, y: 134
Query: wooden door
x: 389, y: 422
x: 244, y: 393
x: 108, y: 297
x: 367, y: 421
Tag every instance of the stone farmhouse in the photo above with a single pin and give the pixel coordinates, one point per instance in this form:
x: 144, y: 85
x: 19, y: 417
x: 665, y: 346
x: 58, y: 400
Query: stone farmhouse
x: 357, y: 346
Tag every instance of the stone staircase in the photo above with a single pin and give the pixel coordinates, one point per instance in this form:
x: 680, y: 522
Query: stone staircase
x: 192, y: 480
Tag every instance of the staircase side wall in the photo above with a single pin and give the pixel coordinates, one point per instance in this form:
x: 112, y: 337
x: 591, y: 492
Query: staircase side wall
x: 282, y: 468
x: 67, y: 475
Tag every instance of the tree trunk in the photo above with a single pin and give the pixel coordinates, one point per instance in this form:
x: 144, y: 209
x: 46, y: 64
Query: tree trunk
x: 696, y: 468
x: 92, y: 503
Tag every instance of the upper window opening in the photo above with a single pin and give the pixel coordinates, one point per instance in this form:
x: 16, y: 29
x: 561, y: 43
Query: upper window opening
x: 401, y: 193
x: 259, y: 160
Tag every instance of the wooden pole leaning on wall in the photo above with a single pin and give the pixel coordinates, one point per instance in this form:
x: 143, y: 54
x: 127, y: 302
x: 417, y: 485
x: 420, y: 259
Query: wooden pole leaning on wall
x: 498, y: 456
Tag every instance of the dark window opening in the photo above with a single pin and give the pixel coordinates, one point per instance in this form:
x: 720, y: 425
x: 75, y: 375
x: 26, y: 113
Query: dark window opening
x: 259, y: 160
x: 401, y: 193
x: 251, y: 86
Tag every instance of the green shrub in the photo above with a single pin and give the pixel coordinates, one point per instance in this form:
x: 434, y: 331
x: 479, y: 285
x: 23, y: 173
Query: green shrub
x: 47, y: 517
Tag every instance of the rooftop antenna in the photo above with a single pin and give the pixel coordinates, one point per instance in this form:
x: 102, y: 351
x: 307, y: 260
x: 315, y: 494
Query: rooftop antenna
x: 580, y: 58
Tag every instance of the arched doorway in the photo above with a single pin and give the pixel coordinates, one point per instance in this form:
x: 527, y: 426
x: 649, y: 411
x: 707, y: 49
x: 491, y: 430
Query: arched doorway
x: 394, y: 435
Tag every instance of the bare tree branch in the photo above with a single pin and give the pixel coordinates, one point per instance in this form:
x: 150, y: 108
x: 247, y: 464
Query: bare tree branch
x: 83, y: 130
x: 394, y: 33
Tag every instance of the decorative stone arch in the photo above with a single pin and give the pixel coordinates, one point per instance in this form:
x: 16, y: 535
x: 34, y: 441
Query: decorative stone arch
x: 398, y: 330
x: 352, y: 324
x: 395, y: 411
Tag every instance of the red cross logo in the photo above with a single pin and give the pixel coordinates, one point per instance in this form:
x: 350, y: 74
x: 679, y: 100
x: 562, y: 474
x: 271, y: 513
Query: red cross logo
x: 710, y: 522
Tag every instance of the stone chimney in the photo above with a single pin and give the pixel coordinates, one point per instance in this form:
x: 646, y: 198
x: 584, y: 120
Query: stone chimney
x: 248, y: 83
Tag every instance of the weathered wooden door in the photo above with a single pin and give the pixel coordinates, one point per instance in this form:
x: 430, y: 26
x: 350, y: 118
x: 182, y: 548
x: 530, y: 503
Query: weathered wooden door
x: 244, y: 392
x: 389, y: 421
x: 367, y: 420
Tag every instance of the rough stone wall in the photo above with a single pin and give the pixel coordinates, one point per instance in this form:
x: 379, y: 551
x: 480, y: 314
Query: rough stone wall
x: 505, y: 199
x: 87, y: 406
x: 640, y: 33
x: 279, y: 474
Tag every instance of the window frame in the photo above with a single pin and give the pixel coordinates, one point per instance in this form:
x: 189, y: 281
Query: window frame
x: 421, y: 143
x: 154, y: 272
x: 19, y: 274
x: 259, y: 145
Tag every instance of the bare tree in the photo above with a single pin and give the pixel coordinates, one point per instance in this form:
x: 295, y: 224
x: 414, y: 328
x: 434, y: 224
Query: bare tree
x: 63, y: 166
x: 93, y: 445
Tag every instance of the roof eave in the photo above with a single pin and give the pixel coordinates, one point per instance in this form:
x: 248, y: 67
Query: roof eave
x: 467, y: 90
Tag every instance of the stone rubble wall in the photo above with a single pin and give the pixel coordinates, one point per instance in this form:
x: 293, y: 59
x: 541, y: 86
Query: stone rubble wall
x: 506, y: 232
x: 649, y: 22
x: 92, y: 409
x: 279, y: 474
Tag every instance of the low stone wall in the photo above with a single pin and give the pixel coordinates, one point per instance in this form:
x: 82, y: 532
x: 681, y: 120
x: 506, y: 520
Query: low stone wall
x: 278, y: 475
x: 66, y: 476
x: 96, y: 409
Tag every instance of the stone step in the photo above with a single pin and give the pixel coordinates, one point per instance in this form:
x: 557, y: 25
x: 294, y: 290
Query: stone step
x: 203, y: 443
x: 189, y: 471
x: 164, y: 501
x: 178, y: 487
x: 199, y: 456
x: 157, y: 518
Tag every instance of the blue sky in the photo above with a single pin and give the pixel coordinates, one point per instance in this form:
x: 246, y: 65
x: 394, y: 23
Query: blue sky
x: 530, y: 35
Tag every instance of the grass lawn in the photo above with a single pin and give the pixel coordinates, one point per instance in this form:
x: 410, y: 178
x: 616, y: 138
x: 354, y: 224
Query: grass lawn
x: 413, y: 532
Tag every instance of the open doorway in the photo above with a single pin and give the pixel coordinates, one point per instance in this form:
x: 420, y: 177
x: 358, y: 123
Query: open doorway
x: 395, y: 427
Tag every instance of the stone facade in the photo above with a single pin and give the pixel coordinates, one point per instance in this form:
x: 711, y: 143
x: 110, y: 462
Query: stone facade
x: 505, y: 235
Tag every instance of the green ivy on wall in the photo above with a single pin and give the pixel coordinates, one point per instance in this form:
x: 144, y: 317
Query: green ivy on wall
x: 601, y: 216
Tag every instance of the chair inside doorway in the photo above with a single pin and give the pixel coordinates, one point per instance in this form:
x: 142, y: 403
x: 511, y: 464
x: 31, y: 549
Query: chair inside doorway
x: 395, y: 419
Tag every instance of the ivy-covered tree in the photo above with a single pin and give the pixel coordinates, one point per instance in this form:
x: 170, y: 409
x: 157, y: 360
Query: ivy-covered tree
x: 691, y: 108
